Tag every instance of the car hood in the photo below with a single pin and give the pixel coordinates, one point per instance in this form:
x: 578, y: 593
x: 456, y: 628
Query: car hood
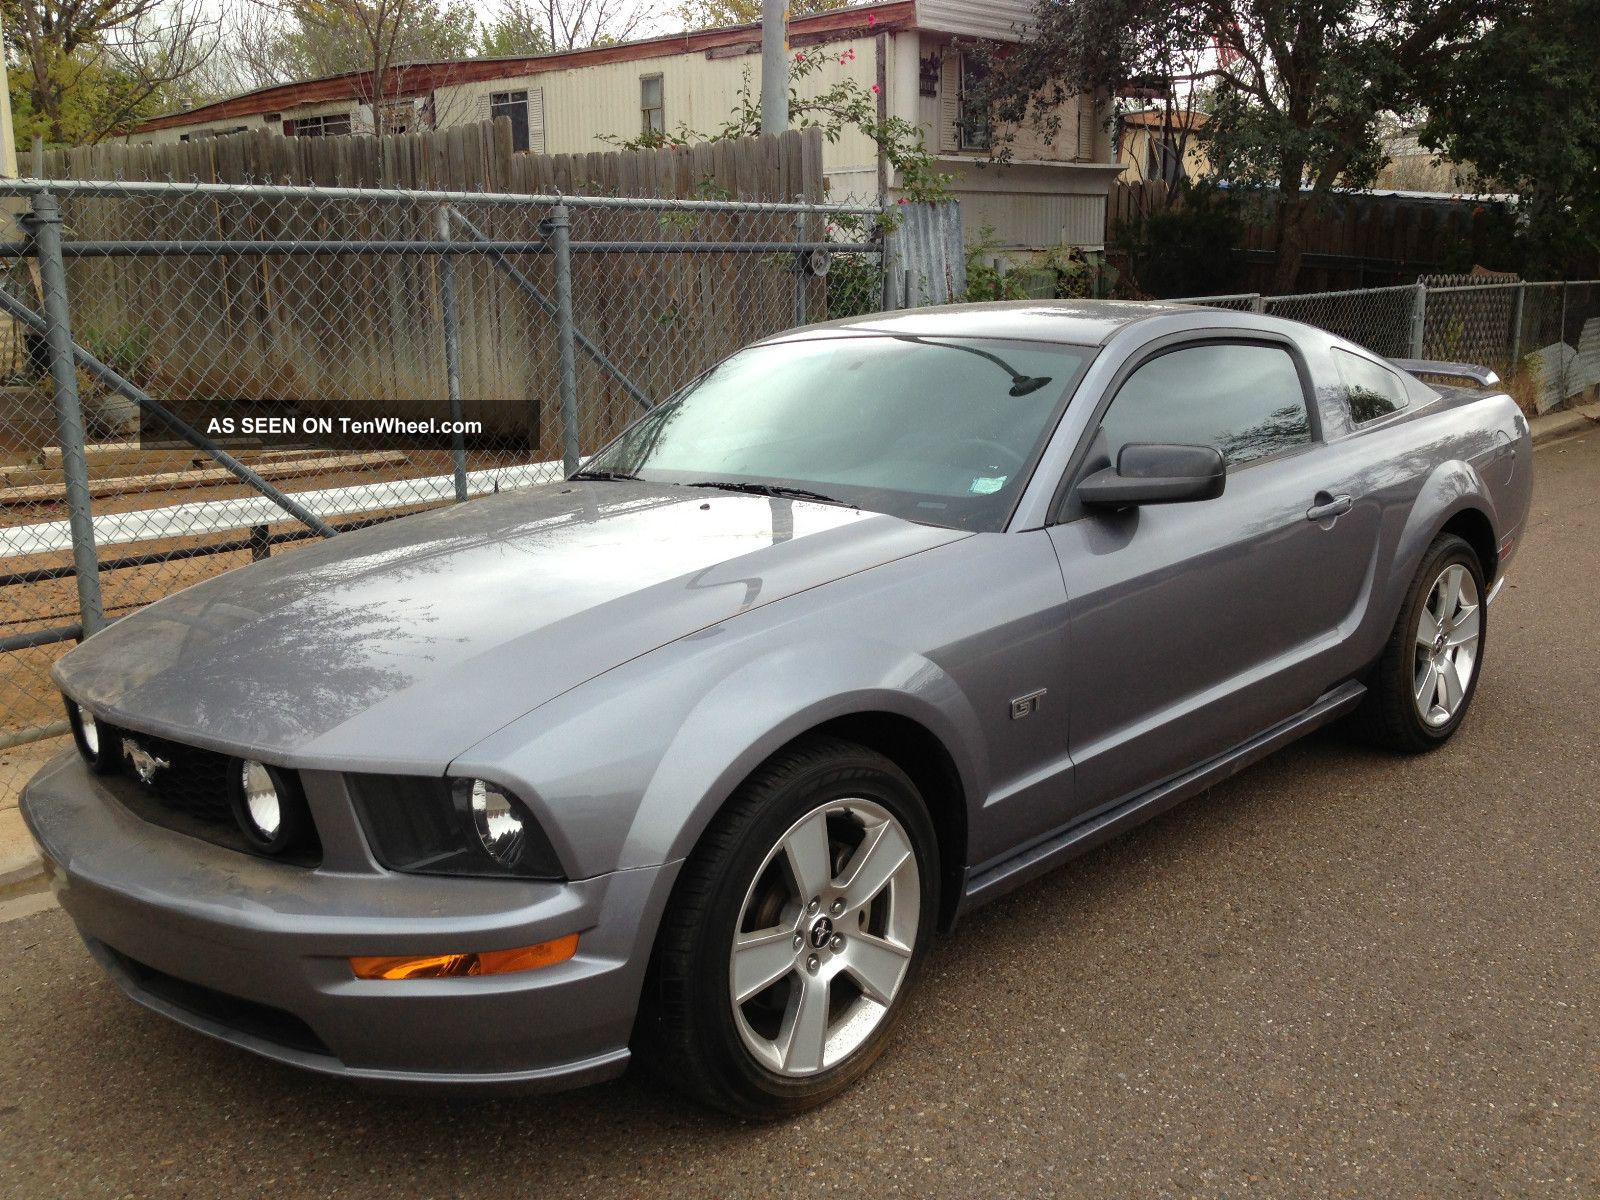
x: 399, y: 646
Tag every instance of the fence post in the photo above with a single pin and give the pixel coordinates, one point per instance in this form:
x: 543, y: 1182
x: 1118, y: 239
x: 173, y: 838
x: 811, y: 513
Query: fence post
x: 1258, y: 305
x: 889, y: 260
x: 1516, y: 330
x: 1419, y: 318
x: 452, y: 353
x: 45, y: 226
x: 561, y: 243
x: 800, y: 269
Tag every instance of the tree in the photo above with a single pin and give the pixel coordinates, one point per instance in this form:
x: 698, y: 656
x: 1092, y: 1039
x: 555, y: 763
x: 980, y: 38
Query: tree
x: 714, y: 14
x: 284, y: 41
x: 574, y: 24
x: 82, y: 70
x: 1523, y: 106
x: 1295, y: 89
x: 517, y: 31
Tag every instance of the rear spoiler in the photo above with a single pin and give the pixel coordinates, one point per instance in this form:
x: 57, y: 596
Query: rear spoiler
x: 1482, y: 376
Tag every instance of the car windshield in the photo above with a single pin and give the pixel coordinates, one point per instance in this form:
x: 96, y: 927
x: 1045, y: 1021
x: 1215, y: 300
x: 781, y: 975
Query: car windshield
x: 933, y: 429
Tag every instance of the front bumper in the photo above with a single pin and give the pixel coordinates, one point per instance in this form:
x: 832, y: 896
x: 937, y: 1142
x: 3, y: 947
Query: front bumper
x: 255, y: 952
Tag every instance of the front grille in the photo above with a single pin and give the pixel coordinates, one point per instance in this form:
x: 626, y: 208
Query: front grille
x: 190, y: 796
x: 195, y: 781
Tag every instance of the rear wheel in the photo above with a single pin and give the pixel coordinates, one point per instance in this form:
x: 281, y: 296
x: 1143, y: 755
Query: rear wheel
x: 794, y: 933
x: 1424, y: 683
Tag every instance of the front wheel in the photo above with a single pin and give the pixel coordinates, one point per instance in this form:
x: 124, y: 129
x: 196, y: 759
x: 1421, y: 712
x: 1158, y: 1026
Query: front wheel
x: 794, y: 933
x: 1423, y: 685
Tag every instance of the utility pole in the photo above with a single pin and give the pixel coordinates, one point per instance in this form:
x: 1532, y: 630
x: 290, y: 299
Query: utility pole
x: 774, y: 66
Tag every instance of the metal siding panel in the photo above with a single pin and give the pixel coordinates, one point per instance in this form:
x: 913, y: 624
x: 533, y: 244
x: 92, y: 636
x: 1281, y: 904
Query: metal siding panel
x: 926, y: 258
x: 997, y: 19
x: 1036, y: 220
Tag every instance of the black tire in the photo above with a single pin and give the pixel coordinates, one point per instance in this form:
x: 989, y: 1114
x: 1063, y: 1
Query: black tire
x: 1389, y: 716
x: 687, y: 1032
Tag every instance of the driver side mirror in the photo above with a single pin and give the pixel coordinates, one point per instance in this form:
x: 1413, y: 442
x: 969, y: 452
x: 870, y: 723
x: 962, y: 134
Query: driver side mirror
x: 1156, y: 474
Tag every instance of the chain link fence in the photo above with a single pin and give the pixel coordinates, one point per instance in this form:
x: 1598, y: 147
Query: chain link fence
x: 1543, y: 338
x: 211, y: 374
x: 201, y: 375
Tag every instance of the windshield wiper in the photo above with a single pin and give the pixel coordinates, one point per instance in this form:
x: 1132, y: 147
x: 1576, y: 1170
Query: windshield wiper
x: 769, y: 489
x: 603, y: 475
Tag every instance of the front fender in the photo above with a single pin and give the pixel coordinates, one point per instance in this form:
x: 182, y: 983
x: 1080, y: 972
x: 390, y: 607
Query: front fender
x: 821, y: 681
x: 629, y: 769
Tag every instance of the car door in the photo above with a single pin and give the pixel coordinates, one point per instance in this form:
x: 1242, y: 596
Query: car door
x: 1196, y: 625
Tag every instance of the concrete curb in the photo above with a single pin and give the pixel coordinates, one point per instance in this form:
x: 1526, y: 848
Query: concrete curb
x: 1555, y: 425
x: 20, y: 867
x: 18, y: 871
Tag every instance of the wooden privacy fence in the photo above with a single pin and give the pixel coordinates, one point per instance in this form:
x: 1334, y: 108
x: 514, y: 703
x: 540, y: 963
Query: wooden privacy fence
x: 1357, y: 240
x: 467, y: 158
x: 217, y: 327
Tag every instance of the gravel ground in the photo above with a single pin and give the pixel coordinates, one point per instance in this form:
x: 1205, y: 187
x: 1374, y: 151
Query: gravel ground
x: 1339, y: 974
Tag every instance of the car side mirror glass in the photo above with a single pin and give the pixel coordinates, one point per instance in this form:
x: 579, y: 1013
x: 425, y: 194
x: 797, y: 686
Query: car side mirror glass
x: 1148, y: 473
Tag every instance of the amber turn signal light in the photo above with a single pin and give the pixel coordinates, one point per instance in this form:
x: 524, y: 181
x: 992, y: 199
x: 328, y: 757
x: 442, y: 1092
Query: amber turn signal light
x: 452, y: 966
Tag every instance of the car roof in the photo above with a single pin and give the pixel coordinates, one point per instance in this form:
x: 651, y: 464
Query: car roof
x: 1076, y: 322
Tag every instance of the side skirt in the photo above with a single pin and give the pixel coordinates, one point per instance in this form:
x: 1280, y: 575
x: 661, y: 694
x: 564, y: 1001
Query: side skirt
x: 1091, y: 831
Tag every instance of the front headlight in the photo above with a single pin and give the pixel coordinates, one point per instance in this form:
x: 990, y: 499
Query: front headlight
x: 496, y: 817
x: 435, y: 826
x: 100, y: 745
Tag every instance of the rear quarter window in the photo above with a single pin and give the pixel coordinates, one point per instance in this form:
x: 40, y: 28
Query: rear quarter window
x: 1371, y: 390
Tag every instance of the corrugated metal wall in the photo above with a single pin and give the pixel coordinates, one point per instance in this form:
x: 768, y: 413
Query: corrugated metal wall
x: 585, y: 104
x: 926, y: 261
x: 997, y: 19
x: 1036, y: 219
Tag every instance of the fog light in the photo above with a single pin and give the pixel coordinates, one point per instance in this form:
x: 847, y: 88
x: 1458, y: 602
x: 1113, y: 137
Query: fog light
x: 453, y: 966
x: 497, y: 818
x: 266, y: 805
x: 100, y: 746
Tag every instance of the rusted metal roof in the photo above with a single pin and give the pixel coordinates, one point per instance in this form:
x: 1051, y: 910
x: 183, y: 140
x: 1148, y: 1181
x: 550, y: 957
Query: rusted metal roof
x: 412, y: 79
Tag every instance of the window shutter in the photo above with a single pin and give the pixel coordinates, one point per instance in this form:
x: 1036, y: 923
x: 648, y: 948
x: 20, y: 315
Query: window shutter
x: 949, y: 102
x: 536, y: 121
x: 1087, y: 118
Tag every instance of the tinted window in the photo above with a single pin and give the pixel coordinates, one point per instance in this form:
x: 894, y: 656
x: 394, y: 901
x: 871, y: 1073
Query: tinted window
x: 1244, y: 400
x: 1373, y: 391
x: 938, y: 430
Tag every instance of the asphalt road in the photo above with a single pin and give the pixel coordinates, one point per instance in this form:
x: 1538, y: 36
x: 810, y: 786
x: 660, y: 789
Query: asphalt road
x: 1340, y: 974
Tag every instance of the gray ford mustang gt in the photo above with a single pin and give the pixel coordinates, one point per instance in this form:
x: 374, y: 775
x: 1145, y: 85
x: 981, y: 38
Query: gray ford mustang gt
x: 690, y: 754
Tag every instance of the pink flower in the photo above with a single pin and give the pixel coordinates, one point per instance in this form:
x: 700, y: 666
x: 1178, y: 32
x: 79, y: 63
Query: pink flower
x: 903, y: 200
x: 872, y: 19
x: 800, y: 56
x: 876, y: 89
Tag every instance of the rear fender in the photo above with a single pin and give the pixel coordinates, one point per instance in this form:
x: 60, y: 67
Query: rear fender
x: 1453, y: 487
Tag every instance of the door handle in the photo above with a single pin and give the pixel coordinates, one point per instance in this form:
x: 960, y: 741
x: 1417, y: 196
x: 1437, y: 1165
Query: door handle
x: 1327, y: 507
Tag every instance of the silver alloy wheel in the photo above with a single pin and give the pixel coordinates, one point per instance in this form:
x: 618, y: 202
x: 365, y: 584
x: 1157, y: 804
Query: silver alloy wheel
x: 825, y: 936
x: 1448, y: 631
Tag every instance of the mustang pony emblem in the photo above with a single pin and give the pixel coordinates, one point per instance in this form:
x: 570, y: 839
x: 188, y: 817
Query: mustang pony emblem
x: 145, y: 764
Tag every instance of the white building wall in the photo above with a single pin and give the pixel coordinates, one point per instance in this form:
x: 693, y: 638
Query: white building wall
x: 585, y: 106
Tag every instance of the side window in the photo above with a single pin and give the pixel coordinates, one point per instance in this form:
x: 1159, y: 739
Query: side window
x: 652, y: 108
x: 515, y: 106
x: 1372, y: 391
x: 1246, y: 400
